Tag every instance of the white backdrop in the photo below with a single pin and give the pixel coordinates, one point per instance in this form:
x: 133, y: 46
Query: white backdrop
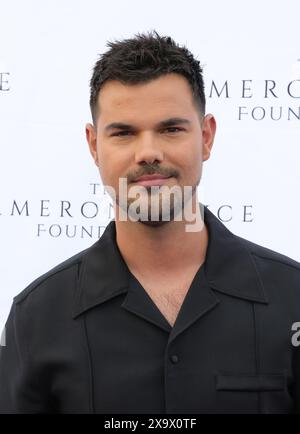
x: 47, y: 51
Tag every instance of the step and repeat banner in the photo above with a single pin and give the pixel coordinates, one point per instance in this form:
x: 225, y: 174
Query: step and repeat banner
x: 52, y: 201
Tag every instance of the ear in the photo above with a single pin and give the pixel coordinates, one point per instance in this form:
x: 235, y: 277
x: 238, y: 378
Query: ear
x: 209, y: 127
x: 91, y: 137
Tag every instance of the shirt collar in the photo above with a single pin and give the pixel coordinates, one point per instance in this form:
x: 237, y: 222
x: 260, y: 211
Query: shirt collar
x: 229, y: 265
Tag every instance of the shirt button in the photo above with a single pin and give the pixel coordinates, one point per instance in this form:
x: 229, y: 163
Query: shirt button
x: 174, y: 359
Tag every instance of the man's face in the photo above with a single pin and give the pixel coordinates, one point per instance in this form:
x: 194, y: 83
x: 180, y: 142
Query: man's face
x: 161, y: 133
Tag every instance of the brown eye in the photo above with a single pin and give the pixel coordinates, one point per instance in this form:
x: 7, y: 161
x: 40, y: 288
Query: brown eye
x: 122, y: 133
x: 173, y: 129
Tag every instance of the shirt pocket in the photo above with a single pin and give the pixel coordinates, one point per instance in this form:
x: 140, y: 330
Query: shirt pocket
x: 250, y: 383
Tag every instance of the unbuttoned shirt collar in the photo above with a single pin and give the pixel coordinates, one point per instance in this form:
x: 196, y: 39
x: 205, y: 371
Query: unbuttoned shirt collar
x: 229, y: 268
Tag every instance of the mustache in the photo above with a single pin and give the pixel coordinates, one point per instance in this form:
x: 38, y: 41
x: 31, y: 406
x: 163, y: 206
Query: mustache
x: 151, y: 169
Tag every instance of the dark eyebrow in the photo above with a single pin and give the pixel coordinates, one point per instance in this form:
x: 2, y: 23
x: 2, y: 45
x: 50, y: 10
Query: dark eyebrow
x: 166, y: 123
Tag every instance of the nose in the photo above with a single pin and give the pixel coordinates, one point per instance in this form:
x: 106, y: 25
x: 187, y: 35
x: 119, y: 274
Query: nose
x: 147, y: 150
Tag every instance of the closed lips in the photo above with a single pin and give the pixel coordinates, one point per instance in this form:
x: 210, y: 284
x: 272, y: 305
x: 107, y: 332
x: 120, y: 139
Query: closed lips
x: 151, y: 177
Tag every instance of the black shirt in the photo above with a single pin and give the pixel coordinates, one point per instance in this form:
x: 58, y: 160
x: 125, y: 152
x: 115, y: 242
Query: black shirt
x: 85, y: 337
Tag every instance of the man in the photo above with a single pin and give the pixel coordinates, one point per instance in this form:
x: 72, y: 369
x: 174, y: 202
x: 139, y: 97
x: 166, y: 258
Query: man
x: 157, y: 316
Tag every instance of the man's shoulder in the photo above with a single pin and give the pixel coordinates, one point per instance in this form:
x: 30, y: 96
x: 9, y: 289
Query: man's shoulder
x: 273, y: 257
x: 59, y: 273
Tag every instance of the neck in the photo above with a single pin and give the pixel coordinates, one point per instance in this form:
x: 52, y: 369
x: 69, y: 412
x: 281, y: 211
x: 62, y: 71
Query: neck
x: 169, y: 247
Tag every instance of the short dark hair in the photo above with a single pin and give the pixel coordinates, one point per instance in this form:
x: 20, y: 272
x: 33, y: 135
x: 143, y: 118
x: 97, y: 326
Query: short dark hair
x: 143, y: 58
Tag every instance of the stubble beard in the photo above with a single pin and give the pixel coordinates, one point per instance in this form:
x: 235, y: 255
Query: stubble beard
x: 177, y: 205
